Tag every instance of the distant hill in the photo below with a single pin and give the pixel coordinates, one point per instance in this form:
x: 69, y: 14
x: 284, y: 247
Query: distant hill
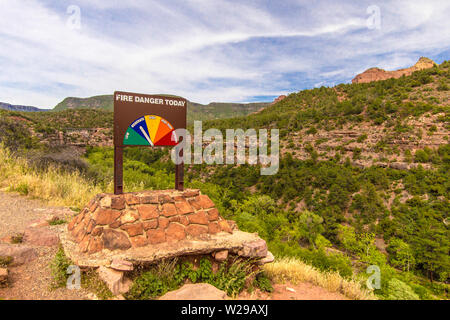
x: 11, y: 107
x: 196, y: 111
x: 377, y: 74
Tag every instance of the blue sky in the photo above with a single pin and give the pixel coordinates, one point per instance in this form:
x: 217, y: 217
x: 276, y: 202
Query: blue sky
x: 207, y: 50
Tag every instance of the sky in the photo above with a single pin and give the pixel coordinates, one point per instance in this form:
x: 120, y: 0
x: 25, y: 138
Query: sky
x: 207, y: 50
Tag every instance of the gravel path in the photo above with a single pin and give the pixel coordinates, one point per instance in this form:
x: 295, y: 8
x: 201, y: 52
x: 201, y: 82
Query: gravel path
x: 16, y: 212
x: 32, y: 280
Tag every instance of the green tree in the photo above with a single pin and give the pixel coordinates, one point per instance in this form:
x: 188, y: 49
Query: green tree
x: 310, y: 226
x: 401, y: 254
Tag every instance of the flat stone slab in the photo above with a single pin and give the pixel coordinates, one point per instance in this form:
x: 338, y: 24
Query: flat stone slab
x: 20, y: 253
x: 236, y: 243
x: 199, y: 291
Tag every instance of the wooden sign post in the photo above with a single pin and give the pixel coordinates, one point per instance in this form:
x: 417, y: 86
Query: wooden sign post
x: 146, y: 121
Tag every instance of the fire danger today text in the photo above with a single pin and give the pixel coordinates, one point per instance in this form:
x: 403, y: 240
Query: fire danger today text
x: 150, y: 100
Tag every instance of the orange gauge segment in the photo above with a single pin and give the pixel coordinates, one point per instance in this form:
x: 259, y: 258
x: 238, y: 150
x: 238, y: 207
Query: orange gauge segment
x: 164, y: 128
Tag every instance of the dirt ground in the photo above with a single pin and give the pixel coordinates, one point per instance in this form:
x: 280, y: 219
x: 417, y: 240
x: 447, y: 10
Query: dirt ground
x: 32, y: 280
x: 289, y: 291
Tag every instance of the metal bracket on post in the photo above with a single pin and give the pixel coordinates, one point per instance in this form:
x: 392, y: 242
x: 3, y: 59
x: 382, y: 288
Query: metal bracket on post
x: 118, y: 170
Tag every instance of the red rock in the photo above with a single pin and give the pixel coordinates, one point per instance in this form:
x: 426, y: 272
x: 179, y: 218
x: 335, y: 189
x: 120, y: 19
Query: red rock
x: 169, y: 209
x: 90, y: 226
x: 71, y: 225
x: 19, y: 252
x: 156, y: 236
x: 224, y: 226
x: 118, y: 203
x: 107, y: 216
x: 202, y: 202
x: 148, y: 211
x: 196, y: 230
x: 95, y: 245
x: 79, y: 229
x: 93, y: 206
x: 175, y: 232
x: 254, y: 249
x: 178, y: 198
x: 221, y: 255
x: 164, y: 198
x: 121, y: 265
x: 190, y: 193
x: 144, y: 199
x: 184, y: 220
x: 38, y: 223
x: 80, y: 216
x: 163, y: 222
x: 175, y: 219
x: 280, y: 98
x: 113, y: 240
x: 97, y: 231
x: 198, y: 291
x: 138, y: 241
x: 106, y: 201
x: 41, y: 237
x: 114, y: 280
x: 84, y: 245
x: 152, y: 224
x: 128, y: 216
x: 131, y: 199
x: 133, y: 229
x: 116, y: 224
x: 183, y: 207
x: 377, y: 74
x: 214, y: 228
x: 199, y: 217
x: 213, y: 214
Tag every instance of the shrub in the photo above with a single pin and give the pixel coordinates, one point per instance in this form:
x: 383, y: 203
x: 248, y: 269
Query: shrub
x: 262, y: 281
x: 398, y: 290
x: 5, y: 261
x: 231, y: 277
x: 59, y: 267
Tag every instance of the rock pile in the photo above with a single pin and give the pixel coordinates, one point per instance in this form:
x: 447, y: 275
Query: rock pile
x: 132, y: 220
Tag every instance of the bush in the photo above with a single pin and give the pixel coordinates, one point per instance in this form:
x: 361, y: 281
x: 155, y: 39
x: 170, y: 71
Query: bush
x: 231, y: 278
x: 263, y: 282
x: 59, y: 267
x: 398, y: 290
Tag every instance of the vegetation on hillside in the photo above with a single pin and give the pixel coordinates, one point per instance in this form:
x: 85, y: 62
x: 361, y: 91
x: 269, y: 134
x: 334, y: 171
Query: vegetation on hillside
x: 334, y: 216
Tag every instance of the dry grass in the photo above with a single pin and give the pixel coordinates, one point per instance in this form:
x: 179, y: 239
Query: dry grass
x: 294, y: 270
x: 55, y: 186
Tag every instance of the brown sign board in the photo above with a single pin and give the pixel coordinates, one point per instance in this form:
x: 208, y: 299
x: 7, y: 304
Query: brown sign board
x: 146, y: 120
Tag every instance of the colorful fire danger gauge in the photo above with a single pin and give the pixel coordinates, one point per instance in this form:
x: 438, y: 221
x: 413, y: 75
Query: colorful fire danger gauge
x: 150, y: 131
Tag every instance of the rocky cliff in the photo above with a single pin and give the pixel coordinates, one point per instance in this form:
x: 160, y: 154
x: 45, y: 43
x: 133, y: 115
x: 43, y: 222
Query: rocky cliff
x: 377, y: 74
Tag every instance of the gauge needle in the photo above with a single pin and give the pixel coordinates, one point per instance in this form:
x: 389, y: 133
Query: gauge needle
x: 146, y: 136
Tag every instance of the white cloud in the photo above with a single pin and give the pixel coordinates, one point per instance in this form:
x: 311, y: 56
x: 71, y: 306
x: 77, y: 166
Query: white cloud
x: 203, y: 50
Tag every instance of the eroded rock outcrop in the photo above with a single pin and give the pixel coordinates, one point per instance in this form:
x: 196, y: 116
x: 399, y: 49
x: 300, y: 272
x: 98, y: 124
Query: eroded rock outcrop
x: 377, y: 74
